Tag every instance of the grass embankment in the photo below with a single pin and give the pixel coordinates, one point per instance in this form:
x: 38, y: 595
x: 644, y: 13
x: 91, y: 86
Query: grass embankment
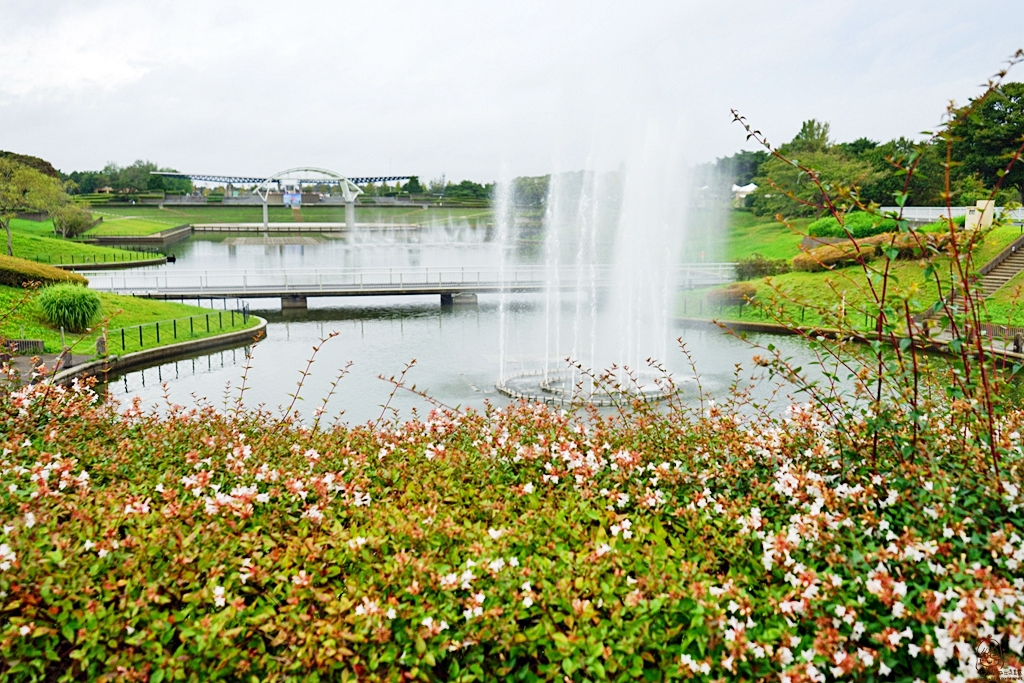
x: 131, y: 226
x: 27, y: 321
x: 34, y: 240
x: 749, y: 234
x: 845, y: 288
x: 172, y: 215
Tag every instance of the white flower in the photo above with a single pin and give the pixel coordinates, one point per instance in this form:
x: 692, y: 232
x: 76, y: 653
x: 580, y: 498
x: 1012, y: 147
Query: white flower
x: 528, y: 487
x: 495, y: 534
x: 527, y: 601
x: 603, y: 548
x: 218, y: 596
x: 357, y: 542
x: 513, y: 561
x: 30, y: 520
x: 392, y: 614
x: 25, y: 630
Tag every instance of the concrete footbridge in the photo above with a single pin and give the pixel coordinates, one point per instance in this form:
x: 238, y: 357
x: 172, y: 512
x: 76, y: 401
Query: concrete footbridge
x: 454, y: 284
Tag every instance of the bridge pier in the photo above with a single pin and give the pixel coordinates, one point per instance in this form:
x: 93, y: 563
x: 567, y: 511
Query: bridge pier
x: 350, y: 215
x: 293, y: 302
x: 459, y: 299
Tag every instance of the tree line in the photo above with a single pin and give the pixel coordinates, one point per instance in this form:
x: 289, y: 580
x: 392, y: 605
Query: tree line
x: 978, y: 158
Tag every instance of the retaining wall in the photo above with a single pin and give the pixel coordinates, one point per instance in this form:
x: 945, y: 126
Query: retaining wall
x: 103, y: 366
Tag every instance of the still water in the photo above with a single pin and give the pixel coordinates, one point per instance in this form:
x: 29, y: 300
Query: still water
x: 456, y: 349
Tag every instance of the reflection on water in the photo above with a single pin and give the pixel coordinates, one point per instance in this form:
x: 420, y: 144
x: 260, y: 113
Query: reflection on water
x: 455, y: 351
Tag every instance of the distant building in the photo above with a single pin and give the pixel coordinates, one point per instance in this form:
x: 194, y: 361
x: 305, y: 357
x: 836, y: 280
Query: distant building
x: 739, y: 194
x: 980, y: 215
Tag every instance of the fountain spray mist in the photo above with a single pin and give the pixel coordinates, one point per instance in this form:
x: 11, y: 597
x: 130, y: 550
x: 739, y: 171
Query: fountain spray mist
x: 612, y: 243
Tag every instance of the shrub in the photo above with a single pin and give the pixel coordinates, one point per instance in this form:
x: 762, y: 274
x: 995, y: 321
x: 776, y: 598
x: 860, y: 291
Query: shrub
x: 732, y: 294
x: 757, y: 266
x: 69, y: 306
x: 858, y: 224
x: 833, y: 256
x: 909, y: 246
x: 19, y: 272
x: 942, y: 225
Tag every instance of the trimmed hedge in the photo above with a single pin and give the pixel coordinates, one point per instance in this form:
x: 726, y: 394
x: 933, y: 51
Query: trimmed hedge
x: 942, y: 225
x: 833, y: 256
x: 757, y: 266
x: 858, y: 224
x: 19, y: 272
x: 732, y: 294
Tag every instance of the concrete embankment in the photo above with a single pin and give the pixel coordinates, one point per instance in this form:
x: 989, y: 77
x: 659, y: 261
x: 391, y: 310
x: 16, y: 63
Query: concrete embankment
x: 102, y: 367
x: 112, y: 265
x: 932, y: 344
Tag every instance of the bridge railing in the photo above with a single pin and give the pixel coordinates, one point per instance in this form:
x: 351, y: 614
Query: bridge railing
x: 370, y: 279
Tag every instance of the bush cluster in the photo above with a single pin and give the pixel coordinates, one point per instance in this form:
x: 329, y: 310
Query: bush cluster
x: 757, y: 266
x: 733, y: 294
x: 69, y: 306
x: 19, y: 272
x: 524, y: 544
x: 857, y: 224
x: 942, y: 225
x: 833, y: 256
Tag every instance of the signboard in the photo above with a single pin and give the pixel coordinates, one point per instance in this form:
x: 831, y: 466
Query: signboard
x: 293, y: 199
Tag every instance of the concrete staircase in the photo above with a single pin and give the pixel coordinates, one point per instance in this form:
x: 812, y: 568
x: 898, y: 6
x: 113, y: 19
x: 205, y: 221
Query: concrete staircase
x: 1002, y: 273
x: 992, y: 277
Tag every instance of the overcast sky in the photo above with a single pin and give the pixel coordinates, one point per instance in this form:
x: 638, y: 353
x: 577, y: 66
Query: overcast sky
x: 472, y: 89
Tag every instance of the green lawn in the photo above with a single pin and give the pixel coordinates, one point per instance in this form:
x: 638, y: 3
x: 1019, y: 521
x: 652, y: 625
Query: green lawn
x: 114, y: 224
x: 26, y: 320
x: 749, y: 234
x: 845, y: 288
x: 177, y: 215
x: 35, y: 241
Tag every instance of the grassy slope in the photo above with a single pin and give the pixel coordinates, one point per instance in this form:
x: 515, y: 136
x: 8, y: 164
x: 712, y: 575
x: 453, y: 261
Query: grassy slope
x: 114, y: 224
x: 749, y: 234
x: 27, y: 319
x: 830, y: 289
x: 36, y: 241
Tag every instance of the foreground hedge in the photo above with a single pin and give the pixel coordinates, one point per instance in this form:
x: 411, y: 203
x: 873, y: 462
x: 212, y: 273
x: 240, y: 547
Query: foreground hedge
x: 19, y: 272
x: 517, y: 545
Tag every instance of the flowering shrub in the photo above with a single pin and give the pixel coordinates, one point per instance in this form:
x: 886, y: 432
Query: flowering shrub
x: 521, y: 544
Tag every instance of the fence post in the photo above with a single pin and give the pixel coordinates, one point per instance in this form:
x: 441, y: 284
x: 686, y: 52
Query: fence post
x: 140, y: 336
x: 207, y: 322
x: 220, y: 319
x: 157, y: 331
x: 174, y: 324
x: 122, y: 339
x: 191, y: 326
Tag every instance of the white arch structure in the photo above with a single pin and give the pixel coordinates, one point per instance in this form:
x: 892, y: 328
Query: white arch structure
x: 349, y: 190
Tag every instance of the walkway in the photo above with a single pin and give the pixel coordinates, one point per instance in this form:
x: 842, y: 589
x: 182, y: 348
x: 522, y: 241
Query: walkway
x: 299, y: 284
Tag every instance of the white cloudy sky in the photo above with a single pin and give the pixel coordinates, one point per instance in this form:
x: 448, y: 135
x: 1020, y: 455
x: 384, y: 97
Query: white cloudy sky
x: 472, y: 89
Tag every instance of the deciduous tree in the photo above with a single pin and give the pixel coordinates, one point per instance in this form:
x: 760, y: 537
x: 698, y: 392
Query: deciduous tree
x: 25, y: 189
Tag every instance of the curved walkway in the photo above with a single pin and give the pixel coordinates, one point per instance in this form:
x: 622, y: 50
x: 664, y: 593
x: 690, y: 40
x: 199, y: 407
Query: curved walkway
x: 103, y: 366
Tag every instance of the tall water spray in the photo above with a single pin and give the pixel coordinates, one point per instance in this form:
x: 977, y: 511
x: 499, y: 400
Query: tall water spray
x: 612, y: 242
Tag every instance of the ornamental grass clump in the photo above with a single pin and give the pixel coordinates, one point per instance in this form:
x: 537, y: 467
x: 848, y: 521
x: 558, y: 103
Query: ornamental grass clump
x: 72, y: 307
